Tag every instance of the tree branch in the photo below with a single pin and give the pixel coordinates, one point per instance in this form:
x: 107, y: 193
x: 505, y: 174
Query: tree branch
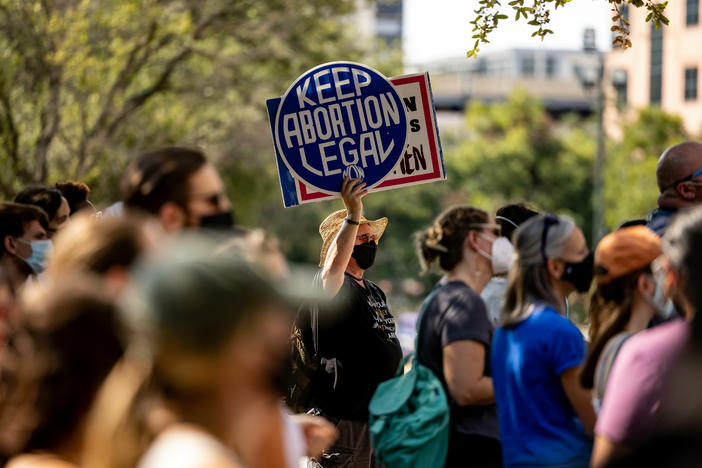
x: 50, y: 119
x: 139, y: 99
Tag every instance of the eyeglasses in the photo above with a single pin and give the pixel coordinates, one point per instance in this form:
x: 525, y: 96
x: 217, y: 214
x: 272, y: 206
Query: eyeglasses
x: 492, y: 228
x: 685, y: 179
x: 549, y: 220
x: 366, y: 238
x: 213, y: 199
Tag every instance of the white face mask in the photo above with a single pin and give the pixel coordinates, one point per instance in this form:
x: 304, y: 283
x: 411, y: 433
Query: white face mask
x: 665, y: 309
x: 501, y: 255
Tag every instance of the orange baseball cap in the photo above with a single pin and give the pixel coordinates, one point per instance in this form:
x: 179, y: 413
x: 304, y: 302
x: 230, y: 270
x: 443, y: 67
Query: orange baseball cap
x: 625, y: 251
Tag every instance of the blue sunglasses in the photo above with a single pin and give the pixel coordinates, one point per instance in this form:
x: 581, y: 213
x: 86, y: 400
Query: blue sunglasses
x: 685, y: 179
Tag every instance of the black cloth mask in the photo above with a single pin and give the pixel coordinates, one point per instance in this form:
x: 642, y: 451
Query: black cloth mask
x: 221, y: 220
x: 580, y: 274
x: 364, y: 254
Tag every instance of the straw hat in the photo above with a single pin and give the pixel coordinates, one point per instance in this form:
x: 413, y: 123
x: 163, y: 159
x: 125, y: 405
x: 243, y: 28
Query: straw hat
x: 332, y: 224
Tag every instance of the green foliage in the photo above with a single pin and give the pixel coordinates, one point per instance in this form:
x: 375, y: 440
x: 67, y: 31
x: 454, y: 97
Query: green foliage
x: 630, y: 183
x: 490, y: 12
x: 515, y: 151
x: 86, y: 83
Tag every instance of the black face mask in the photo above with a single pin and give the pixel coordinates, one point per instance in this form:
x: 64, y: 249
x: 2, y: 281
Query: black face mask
x: 222, y: 220
x: 364, y: 254
x: 580, y: 274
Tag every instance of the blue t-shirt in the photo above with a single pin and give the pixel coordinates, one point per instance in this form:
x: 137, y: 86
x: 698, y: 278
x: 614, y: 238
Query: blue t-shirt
x: 538, y: 425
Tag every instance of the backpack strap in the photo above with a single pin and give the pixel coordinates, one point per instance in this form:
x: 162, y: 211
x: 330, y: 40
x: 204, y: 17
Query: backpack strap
x: 420, y: 316
x: 314, y: 313
x: 606, y: 362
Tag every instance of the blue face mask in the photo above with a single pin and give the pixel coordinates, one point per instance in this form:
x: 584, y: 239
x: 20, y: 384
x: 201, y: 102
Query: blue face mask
x: 40, y: 254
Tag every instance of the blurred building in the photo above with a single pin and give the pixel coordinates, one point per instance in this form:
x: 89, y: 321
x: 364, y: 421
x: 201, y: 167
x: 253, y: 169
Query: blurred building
x: 555, y: 76
x: 380, y: 19
x: 661, y: 69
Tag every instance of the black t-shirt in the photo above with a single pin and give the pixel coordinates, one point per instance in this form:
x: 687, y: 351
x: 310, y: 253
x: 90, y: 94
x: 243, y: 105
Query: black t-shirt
x: 358, y: 348
x: 457, y: 313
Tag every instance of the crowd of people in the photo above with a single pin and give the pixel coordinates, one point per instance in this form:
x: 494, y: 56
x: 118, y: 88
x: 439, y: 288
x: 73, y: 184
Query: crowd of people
x: 158, y: 333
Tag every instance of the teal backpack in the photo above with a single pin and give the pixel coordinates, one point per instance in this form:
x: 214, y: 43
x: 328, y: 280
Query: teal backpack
x: 409, y: 415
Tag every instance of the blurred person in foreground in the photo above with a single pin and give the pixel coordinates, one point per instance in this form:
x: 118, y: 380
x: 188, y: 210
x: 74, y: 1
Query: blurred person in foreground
x: 76, y: 194
x: 263, y: 250
x: 455, y: 332
x: 106, y: 247
x: 51, y: 201
x: 679, y: 178
x: 25, y: 246
x: 199, y: 386
x: 180, y: 187
x: 8, y: 306
x: 642, y: 374
x: 545, y: 416
x: 508, y: 217
x: 65, y: 343
x: 352, y: 341
x: 627, y: 297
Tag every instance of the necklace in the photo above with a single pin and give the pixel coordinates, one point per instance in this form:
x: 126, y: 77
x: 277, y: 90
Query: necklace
x: 357, y: 279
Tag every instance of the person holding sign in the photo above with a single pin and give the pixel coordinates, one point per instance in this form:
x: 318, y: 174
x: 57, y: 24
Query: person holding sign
x: 356, y: 344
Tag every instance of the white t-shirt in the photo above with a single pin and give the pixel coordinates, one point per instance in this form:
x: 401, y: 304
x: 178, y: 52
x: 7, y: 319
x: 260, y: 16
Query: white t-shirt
x: 186, y: 446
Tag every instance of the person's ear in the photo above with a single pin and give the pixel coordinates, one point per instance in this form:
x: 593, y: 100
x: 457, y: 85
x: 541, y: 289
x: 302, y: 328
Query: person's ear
x: 686, y: 191
x: 472, y: 241
x: 10, y: 244
x: 555, y: 267
x: 172, y: 216
x: 645, y: 285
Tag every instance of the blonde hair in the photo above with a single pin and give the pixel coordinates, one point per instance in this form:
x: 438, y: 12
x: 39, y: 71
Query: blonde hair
x: 90, y: 244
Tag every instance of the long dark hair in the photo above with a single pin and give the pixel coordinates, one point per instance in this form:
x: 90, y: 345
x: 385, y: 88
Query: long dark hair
x: 610, y: 311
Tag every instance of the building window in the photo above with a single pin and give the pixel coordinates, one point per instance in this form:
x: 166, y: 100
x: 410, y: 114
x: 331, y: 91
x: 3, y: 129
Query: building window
x: 551, y: 65
x: 656, y: 72
x: 619, y: 81
x: 692, y: 15
x: 691, y: 84
x: 481, y: 68
x: 527, y: 65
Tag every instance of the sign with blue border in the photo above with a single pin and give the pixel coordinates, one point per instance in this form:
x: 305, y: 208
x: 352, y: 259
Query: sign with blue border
x: 421, y: 161
x: 340, y: 119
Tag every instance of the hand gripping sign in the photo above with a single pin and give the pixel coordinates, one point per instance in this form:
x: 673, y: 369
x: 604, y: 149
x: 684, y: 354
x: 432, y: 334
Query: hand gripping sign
x: 340, y: 119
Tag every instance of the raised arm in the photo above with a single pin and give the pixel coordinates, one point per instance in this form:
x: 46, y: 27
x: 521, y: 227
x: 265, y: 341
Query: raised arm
x: 339, y: 254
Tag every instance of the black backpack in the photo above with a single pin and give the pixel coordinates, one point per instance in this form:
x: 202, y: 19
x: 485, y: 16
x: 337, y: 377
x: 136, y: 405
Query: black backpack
x: 305, y: 360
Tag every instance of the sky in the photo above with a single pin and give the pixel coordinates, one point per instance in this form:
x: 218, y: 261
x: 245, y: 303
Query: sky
x: 439, y: 29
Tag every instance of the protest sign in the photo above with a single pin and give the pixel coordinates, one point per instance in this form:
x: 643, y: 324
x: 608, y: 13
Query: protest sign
x: 339, y: 119
x: 421, y: 160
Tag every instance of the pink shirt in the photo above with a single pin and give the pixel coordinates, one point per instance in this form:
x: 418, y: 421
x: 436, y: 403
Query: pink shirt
x: 637, y: 383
